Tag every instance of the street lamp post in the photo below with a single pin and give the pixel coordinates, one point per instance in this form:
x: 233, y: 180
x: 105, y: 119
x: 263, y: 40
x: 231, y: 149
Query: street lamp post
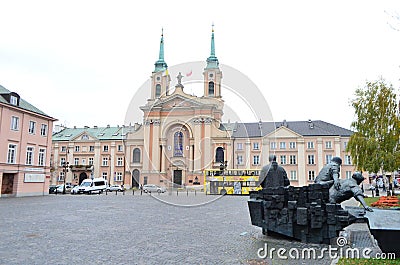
x: 65, y: 170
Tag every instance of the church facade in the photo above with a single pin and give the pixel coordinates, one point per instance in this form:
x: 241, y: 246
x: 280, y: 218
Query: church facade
x: 182, y: 135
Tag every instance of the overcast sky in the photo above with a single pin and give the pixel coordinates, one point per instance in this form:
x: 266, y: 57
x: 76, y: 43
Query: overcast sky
x: 81, y: 62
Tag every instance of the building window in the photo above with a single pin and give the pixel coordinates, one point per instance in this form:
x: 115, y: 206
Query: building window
x: 90, y: 161
x: 292, y: 159
x: 211, y: 88
x: 282, y: 145
x: 104, y: 175
x: 292, y: 145
x: 105, y: 148
x: 120, y: 148
x: 119, y: 176
x: 256, y: 160
x: 83, y: 161
x: 239, y: 146
x: 345, y: 145
x: 136, y: 155
x: 178, y: 144
x: 42, y: 157
x: 32, y: 127
x: 11, y: 154
x: 158, y: 90
x: 347, y: 160
x: 62, y: 161
x: 273, y: 145
x: 14, y: 100
x: 310, y: 145
x: 29, y: 156
x: 61, y: 176
x: 77, y: 148
x: 240, y: 160
x: 120, y: 161
x: 91, y: 148
x: 256, y: 146
x: 283, y: 160
x: 14, y: 123
x: 311, y: 175
x: 76, y: 161
x: 328, y: 145
x: 43, y: 130
x: 348, y: 174
x: 63, y: 149
x: 293, y: 175
x: 328, y: 159
x: 105, y: 161
x: 311, y: 160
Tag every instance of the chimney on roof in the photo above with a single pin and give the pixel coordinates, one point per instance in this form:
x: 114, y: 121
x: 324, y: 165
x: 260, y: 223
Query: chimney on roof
x: 108, y: 125
x: 310, y: 124
x: 95, y: 126
x: 86, y: 127
x: 284, y: 123
x: 74, y: 127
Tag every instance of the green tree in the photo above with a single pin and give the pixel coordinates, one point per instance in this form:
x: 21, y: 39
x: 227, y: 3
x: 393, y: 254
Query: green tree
x: 374, y: 146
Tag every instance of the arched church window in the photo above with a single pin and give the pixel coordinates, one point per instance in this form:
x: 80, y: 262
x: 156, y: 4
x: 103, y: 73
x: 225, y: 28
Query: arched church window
x: 158, y: 90
x: 136, y: 155
x: 211, y: 88
x: 178, y: 144
x: 219, y: 155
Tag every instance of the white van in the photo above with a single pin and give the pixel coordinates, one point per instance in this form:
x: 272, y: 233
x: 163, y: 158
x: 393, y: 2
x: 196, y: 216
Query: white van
x: 96, y: 185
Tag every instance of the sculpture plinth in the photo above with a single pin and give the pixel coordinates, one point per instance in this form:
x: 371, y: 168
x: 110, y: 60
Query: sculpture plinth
x: 302, y: 213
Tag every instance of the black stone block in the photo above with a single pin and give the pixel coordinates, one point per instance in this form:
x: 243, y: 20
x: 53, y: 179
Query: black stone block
x: 330, y: 207
x: 256, y: 212
x: 302, y: 216
x: 292, y: 205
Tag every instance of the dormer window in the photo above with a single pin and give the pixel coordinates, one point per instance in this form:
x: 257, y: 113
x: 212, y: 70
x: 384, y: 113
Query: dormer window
x: 14, y: 100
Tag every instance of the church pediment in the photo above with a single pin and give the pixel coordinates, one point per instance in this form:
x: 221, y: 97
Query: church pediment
x: 176, y: 101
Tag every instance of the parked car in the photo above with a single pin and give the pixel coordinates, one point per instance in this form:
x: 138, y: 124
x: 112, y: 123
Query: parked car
x: 60, y: 188
x: 96, y: 185
x: 75, y: 190
x: 115, y: 188
x: 52, y: 189
x: 153, y: 188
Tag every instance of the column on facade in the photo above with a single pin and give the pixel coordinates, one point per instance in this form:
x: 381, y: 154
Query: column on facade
x: 208, y: 153
x: 265, y: 149
x: 112, y: 161
x: 338, y: 149
x: 155, y: 166
x: 191, y: 155
x: 146, y: 147
x: 228, y: 154
x: 198, y: 137
x: 97, y: 160
x: 163, y: 144
x: 248, y: 153
x: 301, y: 162
x: 320, y: 153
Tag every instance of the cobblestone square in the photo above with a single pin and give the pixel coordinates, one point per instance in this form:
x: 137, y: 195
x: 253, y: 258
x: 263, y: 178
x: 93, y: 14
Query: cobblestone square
x: 131, y: 229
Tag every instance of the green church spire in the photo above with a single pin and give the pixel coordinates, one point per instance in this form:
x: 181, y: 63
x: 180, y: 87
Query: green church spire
x: 161, y: 65
x: 212, y: 61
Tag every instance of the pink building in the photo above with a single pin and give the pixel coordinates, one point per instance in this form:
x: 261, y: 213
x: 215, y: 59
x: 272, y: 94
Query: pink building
x: 25, y: 144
